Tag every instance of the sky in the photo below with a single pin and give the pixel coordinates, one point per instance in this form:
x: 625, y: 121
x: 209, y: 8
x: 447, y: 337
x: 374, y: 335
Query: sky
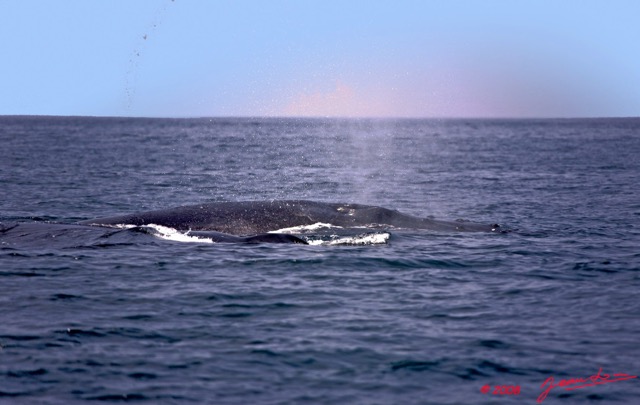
x: 348, y: 58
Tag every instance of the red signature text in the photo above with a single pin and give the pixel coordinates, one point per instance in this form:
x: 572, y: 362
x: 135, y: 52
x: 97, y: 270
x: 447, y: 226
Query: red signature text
x: 501, y: 389
x: 571, y: 384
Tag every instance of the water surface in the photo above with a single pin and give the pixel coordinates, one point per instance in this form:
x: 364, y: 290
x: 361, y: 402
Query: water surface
x: 426, y: 317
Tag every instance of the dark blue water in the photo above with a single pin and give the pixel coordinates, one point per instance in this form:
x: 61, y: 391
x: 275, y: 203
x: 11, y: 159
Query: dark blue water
x: 425, y: 318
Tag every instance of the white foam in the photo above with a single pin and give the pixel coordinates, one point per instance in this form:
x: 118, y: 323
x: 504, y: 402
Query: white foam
x: 117, y: 226
x: 167, y: 233
x: 304, y: 228
x: 365, y: 239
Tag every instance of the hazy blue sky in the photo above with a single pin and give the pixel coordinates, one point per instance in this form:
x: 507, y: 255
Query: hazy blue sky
x: 320, y: 58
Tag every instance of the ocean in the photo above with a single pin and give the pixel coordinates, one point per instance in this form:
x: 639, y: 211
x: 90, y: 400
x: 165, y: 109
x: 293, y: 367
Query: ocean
x: 412, y: 316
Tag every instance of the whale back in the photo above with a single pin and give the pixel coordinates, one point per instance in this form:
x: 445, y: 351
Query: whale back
x: 253, y: 217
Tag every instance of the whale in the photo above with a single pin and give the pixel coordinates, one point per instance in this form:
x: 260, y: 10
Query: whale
x: 258, y: 217
x: 244, y: 222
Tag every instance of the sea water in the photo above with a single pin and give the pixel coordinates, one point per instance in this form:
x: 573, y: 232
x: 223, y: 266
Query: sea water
x: 404, y: 317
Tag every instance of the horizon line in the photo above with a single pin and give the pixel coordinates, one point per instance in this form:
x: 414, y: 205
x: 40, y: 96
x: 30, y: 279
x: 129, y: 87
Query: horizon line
x: 321, y: 117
